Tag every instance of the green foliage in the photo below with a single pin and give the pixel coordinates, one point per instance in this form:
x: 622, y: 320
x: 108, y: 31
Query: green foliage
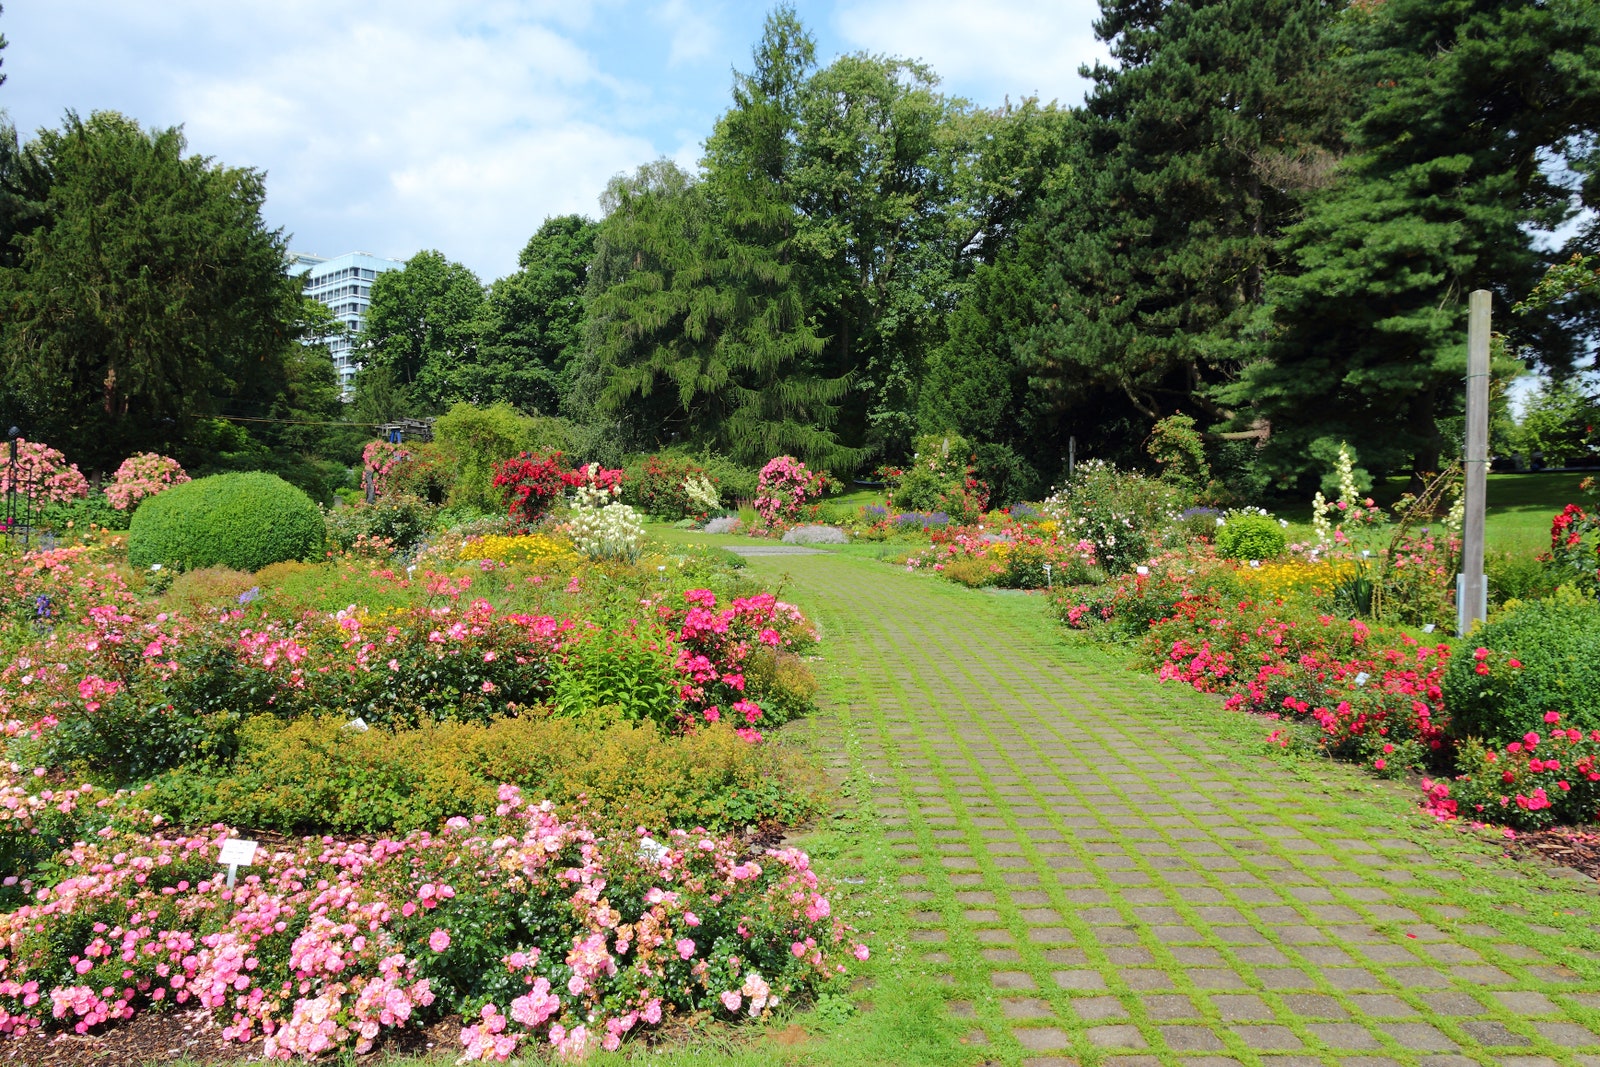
x: 1177, y: 447
x: 322, y: 776
x: 784, y: 682
x: 1196, y: 148
x: 1557, y: 642
x: 533, y: 321
x: 129, y: 739
x: 734, y: 481
x: 1559, y: 421
x: 1518, y: 576
x: 1465, y: 106
x: 69, y: 517
x: 423, y: 328
x: 149, y: 290
x: 655, y: 485
x: 399, y: 523
x: 243, y: 521
x: 478, y: 439
x: 621, y: 666
x: 1248, y: 536
x: 194, y: 592
x: 1122, y: 512
x: 939, y: 478
x: 699, y: 327
x: 1334, y: 456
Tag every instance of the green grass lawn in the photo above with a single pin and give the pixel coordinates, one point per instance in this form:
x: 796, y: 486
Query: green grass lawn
x: 1521, y: 506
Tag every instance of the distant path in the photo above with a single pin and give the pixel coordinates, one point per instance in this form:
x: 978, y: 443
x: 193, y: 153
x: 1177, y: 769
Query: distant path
x: 1100, y: 872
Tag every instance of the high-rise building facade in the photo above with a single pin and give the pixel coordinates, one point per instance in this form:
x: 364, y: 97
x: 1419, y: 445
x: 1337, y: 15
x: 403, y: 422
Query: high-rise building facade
x: 343, y: 284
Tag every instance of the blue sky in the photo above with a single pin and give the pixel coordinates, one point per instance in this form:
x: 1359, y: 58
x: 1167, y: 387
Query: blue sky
x: 395, y: 125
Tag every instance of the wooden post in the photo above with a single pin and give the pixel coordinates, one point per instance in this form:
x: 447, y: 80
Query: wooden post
x: 1072, y: 455
x: 1471, y: 592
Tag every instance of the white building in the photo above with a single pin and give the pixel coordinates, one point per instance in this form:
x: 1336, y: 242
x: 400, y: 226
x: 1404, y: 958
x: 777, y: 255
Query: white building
x: 343, y: 284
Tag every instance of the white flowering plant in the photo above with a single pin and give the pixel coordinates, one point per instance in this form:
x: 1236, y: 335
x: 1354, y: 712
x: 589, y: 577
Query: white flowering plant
x: 1121, y: 513
x: 602, y: 527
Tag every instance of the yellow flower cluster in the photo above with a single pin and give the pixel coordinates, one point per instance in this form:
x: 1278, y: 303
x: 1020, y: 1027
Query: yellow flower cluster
x: 1296, y: 578
x: 540, y: 549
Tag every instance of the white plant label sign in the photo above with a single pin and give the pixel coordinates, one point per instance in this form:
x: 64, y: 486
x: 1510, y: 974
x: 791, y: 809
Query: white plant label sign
x: 236, y: 853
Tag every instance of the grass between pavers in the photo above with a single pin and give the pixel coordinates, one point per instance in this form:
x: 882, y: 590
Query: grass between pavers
x: 1452, y: 889
x: 899, y: 679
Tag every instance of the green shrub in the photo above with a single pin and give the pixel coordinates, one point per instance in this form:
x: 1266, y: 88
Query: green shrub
x: 734, y: 481
x: 192, y: 592
x: 783, y: 682
x: 318, y: 776
x: 1557, y: 644
x: 1518, y: 576
x: 618, y: 666
x: 398, y: 523
x: 476, y: 440
x: 1121, y: 512
x: 74, y: 516
x: 242, y: 521
x: 191, y: 718
x: 940, y: 478
x: 657, y: 485
x: 1250, y: 536
x: 1177, y: 446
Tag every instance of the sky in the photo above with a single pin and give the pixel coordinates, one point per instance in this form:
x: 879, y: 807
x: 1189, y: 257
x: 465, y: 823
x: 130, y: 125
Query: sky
x: 396, y: 125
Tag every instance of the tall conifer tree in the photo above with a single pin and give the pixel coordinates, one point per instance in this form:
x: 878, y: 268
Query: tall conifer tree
x: 1467, y: 104
x: 1197, y: 148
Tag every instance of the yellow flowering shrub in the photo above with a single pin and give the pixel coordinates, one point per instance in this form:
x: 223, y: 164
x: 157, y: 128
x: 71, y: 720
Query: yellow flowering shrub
x: 1296, y: 579
x: 541, y: 549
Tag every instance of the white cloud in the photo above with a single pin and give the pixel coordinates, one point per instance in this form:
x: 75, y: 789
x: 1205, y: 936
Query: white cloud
x: 388, y: 127
x: 986, y: 50
x: 695, y: 35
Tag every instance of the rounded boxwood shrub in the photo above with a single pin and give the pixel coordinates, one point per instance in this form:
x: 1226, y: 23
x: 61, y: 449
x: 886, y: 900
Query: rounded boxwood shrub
x: 1250, y: 537
x: 243, y: 521
x: 1534, y: 658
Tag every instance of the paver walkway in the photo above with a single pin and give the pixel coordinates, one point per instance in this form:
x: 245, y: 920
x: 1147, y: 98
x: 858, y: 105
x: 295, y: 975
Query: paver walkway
x: 1100, y: 875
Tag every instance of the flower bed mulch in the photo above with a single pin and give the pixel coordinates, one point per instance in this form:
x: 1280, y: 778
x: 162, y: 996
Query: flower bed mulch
x: 1577, y: 849
x: 162, y: 1037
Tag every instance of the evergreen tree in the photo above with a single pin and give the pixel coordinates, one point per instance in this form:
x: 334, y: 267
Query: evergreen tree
x: 1467, y: 101
x: 1196, y: 150
x: 873, y: 183
x: 699, y: 330
x: 149, y: 292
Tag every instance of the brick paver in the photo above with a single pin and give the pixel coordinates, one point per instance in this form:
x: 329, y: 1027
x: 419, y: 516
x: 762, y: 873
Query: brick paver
x: 1100, y: 875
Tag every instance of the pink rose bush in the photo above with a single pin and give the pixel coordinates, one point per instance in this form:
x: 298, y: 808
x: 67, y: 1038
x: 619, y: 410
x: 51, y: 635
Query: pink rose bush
x: 384, y: 460
x: 783, y: 489
x: 57, y: 586
x: 536, y: 930
x: 715, y: 646
x: 141, y: 476
x: 140, y: 690
x: 42, y: 472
